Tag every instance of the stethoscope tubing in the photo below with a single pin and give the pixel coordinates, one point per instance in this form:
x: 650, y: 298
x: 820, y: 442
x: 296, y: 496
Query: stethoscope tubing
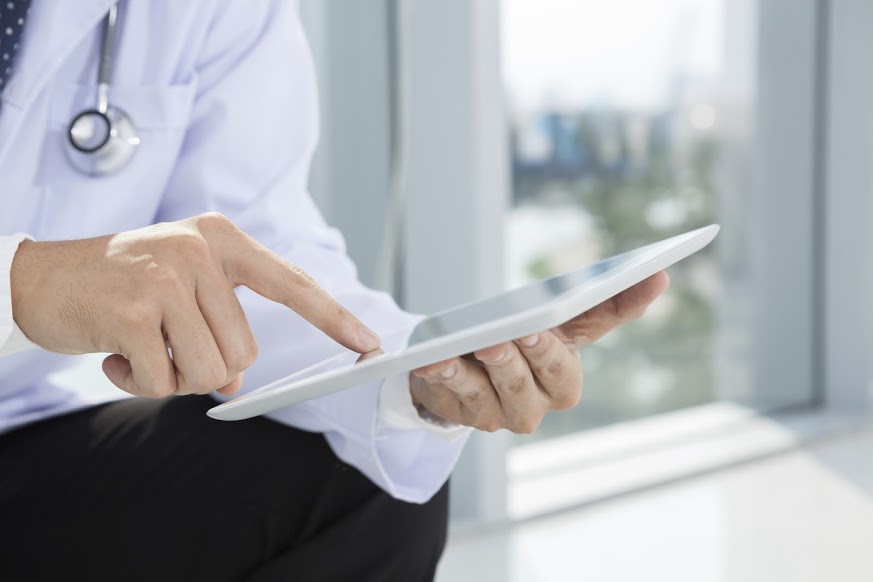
x: 117, y: 137
x: 107, y: 48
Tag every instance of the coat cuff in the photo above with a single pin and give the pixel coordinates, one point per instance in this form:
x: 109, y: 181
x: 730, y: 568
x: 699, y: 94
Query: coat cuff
x: 396, y: 410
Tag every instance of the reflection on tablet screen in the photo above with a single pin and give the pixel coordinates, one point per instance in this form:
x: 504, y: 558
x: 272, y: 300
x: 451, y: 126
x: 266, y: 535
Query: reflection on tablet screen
x: 480, y: 312
x: 340, y: 361
x: 516, y: 300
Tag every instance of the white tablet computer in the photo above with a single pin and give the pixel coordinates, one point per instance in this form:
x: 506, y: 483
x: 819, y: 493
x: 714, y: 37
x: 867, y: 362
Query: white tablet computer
x: 504, y: 317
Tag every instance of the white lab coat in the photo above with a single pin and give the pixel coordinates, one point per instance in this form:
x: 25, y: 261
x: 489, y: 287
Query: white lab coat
x: 224, y: 98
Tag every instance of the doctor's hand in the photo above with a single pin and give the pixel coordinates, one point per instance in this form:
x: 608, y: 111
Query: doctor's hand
x: 161, y: 300
x: 514, y: 385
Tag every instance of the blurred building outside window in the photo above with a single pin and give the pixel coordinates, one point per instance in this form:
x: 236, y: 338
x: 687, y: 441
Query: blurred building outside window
x: 623, y: 122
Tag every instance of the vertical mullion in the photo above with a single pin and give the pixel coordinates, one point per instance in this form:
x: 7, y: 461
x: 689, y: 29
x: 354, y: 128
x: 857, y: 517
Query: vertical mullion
x: 781, y: 245
x: 847, y: 279
x: 457, y: 189
x: 819, y: 228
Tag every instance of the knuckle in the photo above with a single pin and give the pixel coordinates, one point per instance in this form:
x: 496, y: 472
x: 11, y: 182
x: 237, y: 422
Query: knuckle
x: 214, y: 377
x: 516, y: 384
x: 155, y: 391
x: 298, y: 277
x: 206, y: 380
x: 135, y: 316
x: 582, y: 331
x: 551, y: 369
x: 165, y: 281
x: 191, y: 385
x: 201, y: 389
x: 242, y: 357
x: 474, y: 401
x: 527, y: 425
x: 566, y: 398
x: 163, y: 391
x: 234, y: 364
x: 147, y: 392
x: 215, y: 224
x: 554, y: 368
x: 213, y: 219
x: 490, y: 425
x: 193, y: 247
x: 340, y: 312
x: 634, y: 313
x: 249, y: 352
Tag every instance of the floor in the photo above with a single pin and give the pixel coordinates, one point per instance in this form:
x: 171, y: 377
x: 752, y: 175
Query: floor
x: 805, y: 516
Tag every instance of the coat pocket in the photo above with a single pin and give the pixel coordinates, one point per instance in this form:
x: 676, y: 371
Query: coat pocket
x: 128, y: 198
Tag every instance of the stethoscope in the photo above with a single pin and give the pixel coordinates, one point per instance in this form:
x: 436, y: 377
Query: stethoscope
x: 102, y: 141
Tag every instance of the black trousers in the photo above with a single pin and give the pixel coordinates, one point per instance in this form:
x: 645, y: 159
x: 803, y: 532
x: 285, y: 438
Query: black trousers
x: 154, y: 490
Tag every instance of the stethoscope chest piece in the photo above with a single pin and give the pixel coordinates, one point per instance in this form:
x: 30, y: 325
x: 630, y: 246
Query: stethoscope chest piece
x: 101, y: 141
x: 99, y: 144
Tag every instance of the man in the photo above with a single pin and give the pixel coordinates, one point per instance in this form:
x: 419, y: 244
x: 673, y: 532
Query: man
x: 345, y: 487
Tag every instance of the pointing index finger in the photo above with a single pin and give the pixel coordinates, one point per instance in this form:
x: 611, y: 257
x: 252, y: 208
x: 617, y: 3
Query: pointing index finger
x: 269, y: 275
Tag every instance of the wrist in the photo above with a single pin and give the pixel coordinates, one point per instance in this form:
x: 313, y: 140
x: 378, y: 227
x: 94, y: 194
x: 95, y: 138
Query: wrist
x: 30, y: 282
x: 417, y: 384
x: 13, y: 339
x: 21, y: 275
x: 413, y: 379
x: 400, y: 410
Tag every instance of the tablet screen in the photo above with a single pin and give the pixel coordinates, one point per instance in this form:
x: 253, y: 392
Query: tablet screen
x: 516, y: 300
x: 477, y: 313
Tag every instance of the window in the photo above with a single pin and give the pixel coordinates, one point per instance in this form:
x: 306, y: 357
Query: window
x: 632, y: 121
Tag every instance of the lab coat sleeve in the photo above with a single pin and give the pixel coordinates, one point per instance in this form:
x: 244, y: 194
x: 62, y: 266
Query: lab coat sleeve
x: 246, y: 154
x: 12, y: 340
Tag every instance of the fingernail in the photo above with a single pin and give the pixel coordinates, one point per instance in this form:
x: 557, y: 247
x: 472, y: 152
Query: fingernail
x: 447, y: 373
x: 530, y: 341
x: 498, y: 358
x: 369, y: 340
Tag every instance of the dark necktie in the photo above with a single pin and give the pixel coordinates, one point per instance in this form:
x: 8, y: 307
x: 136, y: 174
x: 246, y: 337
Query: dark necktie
x: 13, y: 14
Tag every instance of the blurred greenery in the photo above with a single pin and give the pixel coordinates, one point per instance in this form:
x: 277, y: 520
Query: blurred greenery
x: 636, y: 187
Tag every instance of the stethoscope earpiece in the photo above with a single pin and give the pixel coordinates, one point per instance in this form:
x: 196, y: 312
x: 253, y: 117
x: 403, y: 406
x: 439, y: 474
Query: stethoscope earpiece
x: 102, y: 141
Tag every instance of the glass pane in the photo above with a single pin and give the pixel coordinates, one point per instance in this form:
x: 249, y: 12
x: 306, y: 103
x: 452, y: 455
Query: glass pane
x: 628, y: 120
